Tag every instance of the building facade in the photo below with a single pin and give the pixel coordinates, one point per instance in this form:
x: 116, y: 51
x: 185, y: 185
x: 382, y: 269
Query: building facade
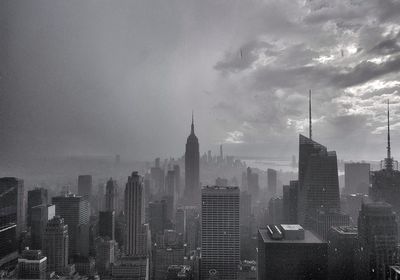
x: 220, y: 230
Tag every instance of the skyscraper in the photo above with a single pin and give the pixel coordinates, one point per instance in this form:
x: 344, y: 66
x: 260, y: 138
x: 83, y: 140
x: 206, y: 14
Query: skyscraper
x: 318, y: 180
x: 75, y: 211
x: 220, y: 231
x: 177, y: 172
x: 111, y: 195
x: 342, y: 245
x: 55, y: 245
x: 40, y: 215
x: 85, y: 186
x: 272, y: 181
x: 377, y: 238
x: 105, y: 254
x: 192, y: 168
x: 12, y: 203
x: 107, y: 224
x: 37, y: 196
x: 134, y: 214
x: 385, y: 183
x: 289, y: 202
x: 252, y: 183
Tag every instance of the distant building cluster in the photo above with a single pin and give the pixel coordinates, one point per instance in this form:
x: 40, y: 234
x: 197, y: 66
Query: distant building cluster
x: 165, y: 224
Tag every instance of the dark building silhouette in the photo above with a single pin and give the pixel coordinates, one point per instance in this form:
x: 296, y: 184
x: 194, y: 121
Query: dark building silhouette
x: 85, y: 187
x: 253, y: 185
x: 111, y: 195
x: 290, y: 252
x: 158, y: 217
x: 342, y: 245
x: 75, y: 212
x: 289, y: 201
x: 377, y: 237
x: 32, y: 265
x: 107, y: 224
x: 177, y: 173
x: 356, y: 177
x: 37, y: 196
x: 272, y: 181
x: 55, y: 245
x: 192, y: 168
x: 40, y: 215
x: 12, y: 203
x: 318, y: 180
x: 220, y: 230
x: 157, y: 178
x: 8, y: 243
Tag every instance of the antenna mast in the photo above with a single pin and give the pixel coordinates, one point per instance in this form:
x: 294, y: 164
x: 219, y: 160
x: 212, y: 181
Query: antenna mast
x: 309, y: 114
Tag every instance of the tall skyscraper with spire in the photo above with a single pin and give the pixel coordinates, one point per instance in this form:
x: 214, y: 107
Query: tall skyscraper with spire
x: 192, y: 168
x: 385, y: 183
x: 318, y: 183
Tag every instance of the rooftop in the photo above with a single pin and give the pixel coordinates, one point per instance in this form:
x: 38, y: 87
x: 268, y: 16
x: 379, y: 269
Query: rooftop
x: 309, y: 238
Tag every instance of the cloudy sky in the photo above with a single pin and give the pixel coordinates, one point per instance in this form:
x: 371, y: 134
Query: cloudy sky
x: 105, y: 77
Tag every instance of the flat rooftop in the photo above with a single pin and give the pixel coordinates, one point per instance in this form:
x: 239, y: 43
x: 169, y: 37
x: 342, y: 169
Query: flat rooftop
x: 309, y: 237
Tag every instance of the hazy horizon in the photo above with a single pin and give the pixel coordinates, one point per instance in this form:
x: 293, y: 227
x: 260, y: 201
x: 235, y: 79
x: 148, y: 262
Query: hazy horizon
x: 82, y: 78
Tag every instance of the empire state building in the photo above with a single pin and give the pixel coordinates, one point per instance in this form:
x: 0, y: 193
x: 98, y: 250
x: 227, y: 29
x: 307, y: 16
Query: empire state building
x: 192, y: 169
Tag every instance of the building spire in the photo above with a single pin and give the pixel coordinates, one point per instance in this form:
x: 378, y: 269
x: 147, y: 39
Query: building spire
x: 192, y: 127
x: 389, y: 160
x: 309, y: 114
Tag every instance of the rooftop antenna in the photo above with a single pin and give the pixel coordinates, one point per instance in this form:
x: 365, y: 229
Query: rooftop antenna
x: 309, y: 114
x: 389, y: 160
x: 192, y: 126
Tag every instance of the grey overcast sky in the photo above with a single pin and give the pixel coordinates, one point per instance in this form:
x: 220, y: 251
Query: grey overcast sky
x: 101, y: 77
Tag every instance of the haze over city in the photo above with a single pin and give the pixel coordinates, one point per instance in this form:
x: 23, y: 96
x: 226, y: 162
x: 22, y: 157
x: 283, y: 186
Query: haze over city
x: 85, y: 78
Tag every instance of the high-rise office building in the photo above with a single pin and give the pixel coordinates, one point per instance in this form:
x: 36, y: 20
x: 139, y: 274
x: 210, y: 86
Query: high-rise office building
x: 157, y: 177
x: 32, y: 265
x: 356, y: 177
x: 111, y: 195
x: 55, y: 245
x: 377, y: 239
x: 37, y: 196
x: 75, y: 211
x: 12, y: 203
x: 289, y: 202
x: 275, y: 210
x: 252, y: 183
x: 105, y: 255
x: 8, y: 243
x: 272, y: 181
x: 323, y: 221
x: 40, y: 215
x: 385, y: 183
x: 85, y: 187
x: 290, y: 252
x: 220, y: 231
x: 318, y: 180
x: 134, y: 215
x: 177, y: 173
x: 107, y: 224
x: 158, y: 218
x: 342, y: 245
x: 192, y: 168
